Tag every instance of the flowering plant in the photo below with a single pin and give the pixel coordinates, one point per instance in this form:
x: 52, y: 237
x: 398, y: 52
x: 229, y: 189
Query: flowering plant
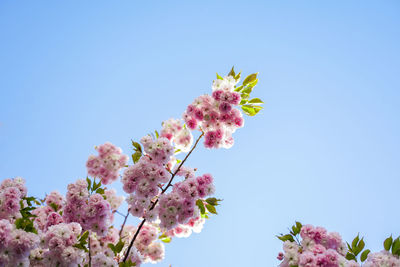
x: 77, y: 229
x: 309, y: 246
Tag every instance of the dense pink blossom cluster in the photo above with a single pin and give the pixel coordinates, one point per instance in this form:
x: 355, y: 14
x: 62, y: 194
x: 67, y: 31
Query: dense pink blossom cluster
x: 380, y: 259
x: 178, y: 206
x: 318, y: 248
x: 147, y: 245
x: 15, y: 245
x: 112, y: 198
x: 107, y: 164
x: 11, y: 192
x: 216, y: 114
x: 56, y: 200
x: 58, y: 248
x: 142, y: 181
x: 177, y: 133
x: 159, y: 151
x: 93, y: 212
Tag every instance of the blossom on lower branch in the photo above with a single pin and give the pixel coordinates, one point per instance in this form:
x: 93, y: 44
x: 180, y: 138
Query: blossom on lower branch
x: 15, y: 245
x: 309, y: 246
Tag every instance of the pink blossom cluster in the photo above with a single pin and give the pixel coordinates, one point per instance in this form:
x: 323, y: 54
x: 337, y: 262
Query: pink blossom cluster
x: 49, y: 215
x: 11, y: 192
x: 142, y: 182
x: 185, y: 171
x: 112, y: 198
x: 55, y: 199
x: 181, y: 136
x: 159, y: 151
x: 318, y: 248
x: 146, y: 244
x: 15, y: 245
x: 107, y: 164
x: 93, y: 212
x: 58, y: 247
x: 380, y: 259
x: 103, y: 255
x: 216, y: 114
x: 195, y: 224
x: 178, y: 206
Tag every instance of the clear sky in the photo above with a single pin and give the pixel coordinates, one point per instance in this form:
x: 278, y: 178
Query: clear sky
x: 325, y: 150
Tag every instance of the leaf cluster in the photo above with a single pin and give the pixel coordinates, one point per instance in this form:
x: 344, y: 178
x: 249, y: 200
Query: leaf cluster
x: 138, y: 150
x: 208, y: 206
x: 94, y: 187
x: 26, y: 221
x: 356, y: 247
x: 392, y: 245
x: 164, y: 238
x: 116, y: 248
x: 83, y: 241
x: 293, y: 233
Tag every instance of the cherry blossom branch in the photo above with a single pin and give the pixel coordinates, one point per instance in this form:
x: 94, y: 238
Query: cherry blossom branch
x: 162, y: 192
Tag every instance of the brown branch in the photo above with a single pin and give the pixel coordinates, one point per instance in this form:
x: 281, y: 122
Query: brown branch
x: 162, y: 192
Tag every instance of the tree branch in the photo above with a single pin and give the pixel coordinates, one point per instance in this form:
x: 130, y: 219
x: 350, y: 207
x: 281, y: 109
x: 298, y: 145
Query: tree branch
x: 162, y: 192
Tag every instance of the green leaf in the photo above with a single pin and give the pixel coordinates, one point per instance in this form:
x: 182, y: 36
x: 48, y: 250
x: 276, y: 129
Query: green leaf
x: 350, y: 256
x: 100, y: 191
x: 213, y: 201
x: 388, y: 243
x: 359, y: 247
x: 248, y: 110
x: 200, y: 204
x: 54, y: 206
x: 119, y: 246
x: 232, y: 73
x: 284, y: 238
x: 136, y: 146
x: 136, y: 156
x: 84, y: 237
x: 364, y: 255
x: 81, y: 246
x: 211, y: 209
x: 250, y: 78
x: 237, y: 77
x: 299, y: 226
x: 238, y: 89
x: 396, y: 247
x: 157, y: 134
x: 89, y: 182
x: 256, y: 101
x: 251, y: 110
x: 164, y: 235
x: 355, y: 242
x: 244, y: 96
x: 166, y: 240
x: 243, y: 101
x: 219, y: 77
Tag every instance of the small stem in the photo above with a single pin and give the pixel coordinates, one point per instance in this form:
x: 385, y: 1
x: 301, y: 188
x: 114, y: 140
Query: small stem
x: 123, y: 224
x: 116, y: 211
x: 162, y: 192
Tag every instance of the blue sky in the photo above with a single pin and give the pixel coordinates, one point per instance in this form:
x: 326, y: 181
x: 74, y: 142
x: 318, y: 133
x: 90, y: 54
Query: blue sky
x: 325, y: 150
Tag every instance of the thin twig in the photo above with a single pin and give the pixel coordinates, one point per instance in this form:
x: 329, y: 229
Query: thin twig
x: 162, y: 192
x: 123, y: 224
